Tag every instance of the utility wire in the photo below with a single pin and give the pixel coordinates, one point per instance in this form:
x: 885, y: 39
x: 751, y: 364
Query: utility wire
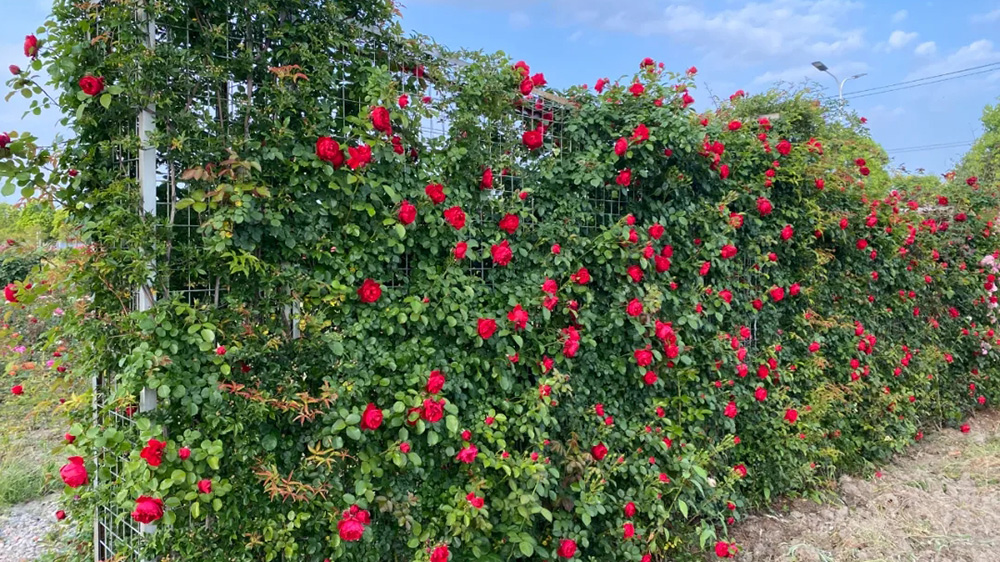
x: 846, y: 96
x: 927, y: 80
x: 939, y: 146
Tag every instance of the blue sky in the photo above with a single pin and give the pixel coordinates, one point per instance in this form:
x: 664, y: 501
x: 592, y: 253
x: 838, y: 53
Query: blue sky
x: 746, y: 45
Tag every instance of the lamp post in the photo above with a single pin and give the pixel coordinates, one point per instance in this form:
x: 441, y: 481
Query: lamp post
x: 840, y: 90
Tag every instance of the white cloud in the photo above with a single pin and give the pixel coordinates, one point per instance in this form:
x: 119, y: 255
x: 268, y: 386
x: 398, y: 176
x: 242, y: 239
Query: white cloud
x: 775, y: 29
x: 987, y: 17
x: 899, y: 39
x: 576, y: 36
x: 899, y: 16
x: 519, y: 20
x: 974, y: 54
x: 925, y: 49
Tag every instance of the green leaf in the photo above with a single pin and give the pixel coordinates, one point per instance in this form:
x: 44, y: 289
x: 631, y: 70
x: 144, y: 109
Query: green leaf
x: 354, y: 433
x: 269, y: 442
x: 451, y: 422
x: 400, y: 231
x: 106, y: 101
x: 526, y: 548
x: 683, y: 507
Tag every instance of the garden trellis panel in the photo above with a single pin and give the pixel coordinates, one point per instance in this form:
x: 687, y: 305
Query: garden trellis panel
x: 392, y: 302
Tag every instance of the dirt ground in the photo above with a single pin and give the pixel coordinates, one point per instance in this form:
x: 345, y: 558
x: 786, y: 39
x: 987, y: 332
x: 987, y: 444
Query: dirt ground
x: 938, y: 502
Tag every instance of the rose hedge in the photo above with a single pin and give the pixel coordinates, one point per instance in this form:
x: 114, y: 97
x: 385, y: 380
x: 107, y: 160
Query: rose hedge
x: 596, y: 328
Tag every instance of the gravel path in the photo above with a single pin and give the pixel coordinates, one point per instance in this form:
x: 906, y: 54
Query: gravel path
x: 938, y: 502
x: 23, y: 528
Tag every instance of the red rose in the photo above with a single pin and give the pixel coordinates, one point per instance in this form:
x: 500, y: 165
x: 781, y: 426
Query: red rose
x: 624, y: 178
x: 10, y: 292
x: 692, y: 71
x: 814, y: 347
x: 92, y: 85
x: 724, y: 171
x: 581, y: 277
x: 519, y: 317
x: 621, y: 146
x: 69, y: 437
x: 628, y: 530
x: 656, y: 231
x: 435, y: 192
x: 599, y: 451
x: 643, y: 357
x: 328, y: 150
x: 184, y: 453
x: 861, y: 244
x: 662, y: 264
x: 567, y: 548
x: 787, y: 232
x: 965, y: 428
x: 722, y: 550
x: 455, y: 216
x: 404, y: 447
x: 703, y: 270
x: 147, y: 509
x: 728, y: 251
x: 486, y: 328
x: 730, y: 411
x: 735, y: 125
x: 640, y: 133
x: 764, y: 206
x: 526, y: 86
x: 467, y: 455
x: 381, y: 120
x: 556, y: 249
x: 433, y: 411
x: 820, y: 183
x: 864, y: 171
x: 370, y: 291
x: 509, y: 223
x: 372, y: 417
x: 435, y: 382
x: 777, y: 293
x: 629, y: 510
x: 31, y: 46
x: 726, y: 295
x: 60, y: 515
x: 791, y: 415
x: 635, y: 272
x: 153, y: 452
x: 501, y: 253
x: 636, y: 89
x: 634, y: 307
x: 407, y: 213
x: 538, y: 80
x: 350, y: 529
x: 17, y: 390
x: 4, y: 141
x: 650, y: 378
x: 550, y: 286
x: 794, y: 289
x: 460, y: 249
x: 784, y: 147
x: 360, y: 156
x: 533, y: 139
x: 440, y: 554
x: 522, y: 68
x: 760, y: 394
x: 205, y: 486
x: 487, y: 180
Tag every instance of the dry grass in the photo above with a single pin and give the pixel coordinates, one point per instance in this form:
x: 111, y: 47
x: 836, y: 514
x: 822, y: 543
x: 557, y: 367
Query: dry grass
x: 938, y: 503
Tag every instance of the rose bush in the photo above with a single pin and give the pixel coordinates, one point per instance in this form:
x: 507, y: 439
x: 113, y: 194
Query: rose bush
x: 631, y: 324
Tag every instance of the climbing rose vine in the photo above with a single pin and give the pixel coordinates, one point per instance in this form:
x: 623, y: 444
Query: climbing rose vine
x: 589, y: 324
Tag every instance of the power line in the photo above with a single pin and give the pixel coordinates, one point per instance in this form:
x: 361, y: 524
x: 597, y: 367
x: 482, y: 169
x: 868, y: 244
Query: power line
x: 925, y: 81
x: 923, y: 84
x: 939, y: 146
x: 925, y: 78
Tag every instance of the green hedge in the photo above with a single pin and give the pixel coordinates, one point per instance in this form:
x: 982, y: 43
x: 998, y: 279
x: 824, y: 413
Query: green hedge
x: 651, y: 322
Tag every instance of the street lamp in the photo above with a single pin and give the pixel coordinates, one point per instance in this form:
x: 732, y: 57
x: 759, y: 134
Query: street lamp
x: 823, y: 68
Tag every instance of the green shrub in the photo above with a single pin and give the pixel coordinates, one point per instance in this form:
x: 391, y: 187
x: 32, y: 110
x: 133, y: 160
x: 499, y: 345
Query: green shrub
x: 298, y: 295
